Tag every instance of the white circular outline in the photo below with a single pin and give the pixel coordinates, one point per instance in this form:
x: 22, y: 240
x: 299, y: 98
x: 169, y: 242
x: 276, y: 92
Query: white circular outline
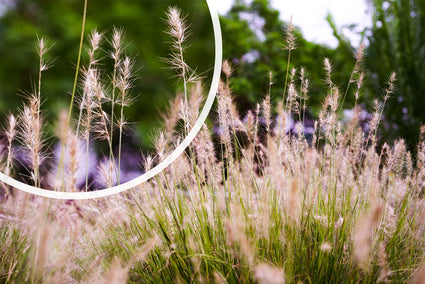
x: 167, y: 161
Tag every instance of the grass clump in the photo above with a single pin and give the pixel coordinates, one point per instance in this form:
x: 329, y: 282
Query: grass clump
x: 262, y: 205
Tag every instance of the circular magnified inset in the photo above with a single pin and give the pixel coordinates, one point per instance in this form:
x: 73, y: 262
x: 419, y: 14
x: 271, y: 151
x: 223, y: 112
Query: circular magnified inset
x: 90, y: 103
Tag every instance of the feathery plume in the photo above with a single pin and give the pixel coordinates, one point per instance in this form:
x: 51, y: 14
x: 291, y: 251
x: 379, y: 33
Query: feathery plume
x: 290, y: 37
x: 124, y: 84
x: 326, y: 247
x: 266, y: 274
x: 419, y: 275
x: 11, y: 133
x: 227, y: 69
x: 178, y: 30
x: 116, y: 274
x: 363, y: 232
x: 32, y: 136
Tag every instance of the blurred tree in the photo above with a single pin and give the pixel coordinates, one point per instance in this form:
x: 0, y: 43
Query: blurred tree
x: 397, y: 43
x: 254, y: 42
x: 60, y: 21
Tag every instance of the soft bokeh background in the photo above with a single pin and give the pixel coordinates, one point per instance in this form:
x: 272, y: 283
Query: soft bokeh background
x: 253, y: 36
x: 60, y: 22
x: 310, y: 16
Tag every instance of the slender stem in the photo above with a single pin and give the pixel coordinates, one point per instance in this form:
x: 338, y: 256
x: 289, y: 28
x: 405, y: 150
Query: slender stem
x: 78, y: 62
x: 348, y: 87
x: 8, y: 162
x: 184, y: 78
x: 121, y: 125
x: 81, y: 108
x: 287, y: 75
x: 39, y: 87
x: 105, y: 123
x: 108, y: 137
x: 186, y: 110
x: 37, y: 134
x: 77, y: 70
x: 9, y: 156
x: 87, y: 160
x: 35, y: 167
x: 87, y: 136
x: 114, y: 86
x: 119, y: 147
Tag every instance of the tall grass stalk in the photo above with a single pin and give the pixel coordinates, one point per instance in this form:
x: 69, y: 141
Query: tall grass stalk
x: 260, y: 205
x: 74, y: 88
x: 356, y: 74
x: 11, y: 133
x: 124, y: 84
x: 289, y: 45
x: 178, y: 31
x: 95, y: 41
x: 341, y: 212
x: 117, y: 39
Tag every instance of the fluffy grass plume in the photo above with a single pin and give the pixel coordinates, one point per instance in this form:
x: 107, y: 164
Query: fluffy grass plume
x: 250, y: 202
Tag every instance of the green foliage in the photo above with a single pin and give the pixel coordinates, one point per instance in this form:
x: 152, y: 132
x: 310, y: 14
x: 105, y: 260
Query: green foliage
x: 14, y: 254
x: 60, y: 22
x: 253, y: 37
x: 397, y: 43
x: 284, y: 209
x: 226, y: 231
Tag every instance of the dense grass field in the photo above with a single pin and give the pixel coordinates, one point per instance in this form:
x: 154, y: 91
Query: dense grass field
x: 259, y: 199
